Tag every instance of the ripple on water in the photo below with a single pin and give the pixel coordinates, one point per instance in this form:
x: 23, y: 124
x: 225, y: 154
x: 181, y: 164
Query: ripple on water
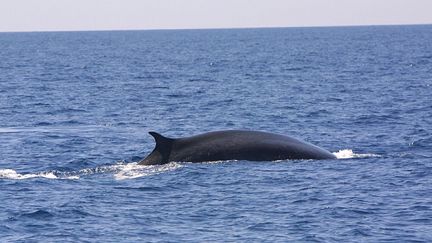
x: 39, y: 214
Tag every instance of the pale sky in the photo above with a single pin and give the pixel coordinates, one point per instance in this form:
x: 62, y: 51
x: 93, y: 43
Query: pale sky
x: 54, y: 15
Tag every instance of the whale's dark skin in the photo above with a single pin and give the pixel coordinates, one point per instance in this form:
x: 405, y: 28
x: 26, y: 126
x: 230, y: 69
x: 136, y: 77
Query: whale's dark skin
x: 232, y: 145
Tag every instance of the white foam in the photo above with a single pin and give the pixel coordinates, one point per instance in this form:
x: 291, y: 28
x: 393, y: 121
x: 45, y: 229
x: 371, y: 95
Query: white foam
x: 133, y: 170
x: 12, y: 174
x: 8, y: 130
x: 349, y: 154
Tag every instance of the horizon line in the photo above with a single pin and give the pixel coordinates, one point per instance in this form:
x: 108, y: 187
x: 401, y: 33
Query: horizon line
x: 217, y: 28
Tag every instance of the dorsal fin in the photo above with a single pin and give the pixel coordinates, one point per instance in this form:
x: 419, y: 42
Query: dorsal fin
x: 161, y: 140
x: 163, y: 145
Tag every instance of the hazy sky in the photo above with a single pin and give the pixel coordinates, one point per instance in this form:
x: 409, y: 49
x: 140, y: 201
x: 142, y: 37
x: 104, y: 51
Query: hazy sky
x: 41, y: 15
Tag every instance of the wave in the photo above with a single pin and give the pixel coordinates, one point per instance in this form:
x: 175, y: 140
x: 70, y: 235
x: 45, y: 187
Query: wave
x: 349, y: 154
x: 119, y: 172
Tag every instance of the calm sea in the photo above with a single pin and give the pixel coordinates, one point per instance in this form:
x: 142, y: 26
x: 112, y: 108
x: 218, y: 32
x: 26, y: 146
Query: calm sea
x: 75, y: 109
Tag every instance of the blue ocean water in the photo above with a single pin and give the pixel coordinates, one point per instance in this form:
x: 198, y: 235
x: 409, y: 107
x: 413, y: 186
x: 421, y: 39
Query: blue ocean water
x: 75, y: 109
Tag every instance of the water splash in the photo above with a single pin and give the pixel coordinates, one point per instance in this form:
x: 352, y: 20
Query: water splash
x: 349, y: 154
x: 120, y: 171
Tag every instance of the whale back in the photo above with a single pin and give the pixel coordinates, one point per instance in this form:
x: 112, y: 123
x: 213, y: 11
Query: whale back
x: 244, y: 145
x: 232, y: 145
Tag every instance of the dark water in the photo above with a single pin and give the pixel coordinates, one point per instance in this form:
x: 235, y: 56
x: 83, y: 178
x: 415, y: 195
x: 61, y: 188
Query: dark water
x: 75, y: 109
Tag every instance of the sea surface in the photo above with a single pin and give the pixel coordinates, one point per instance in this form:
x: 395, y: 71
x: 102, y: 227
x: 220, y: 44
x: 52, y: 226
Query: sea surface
x: 76, y: 109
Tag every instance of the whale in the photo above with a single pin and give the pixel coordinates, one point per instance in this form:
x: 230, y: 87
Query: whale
x: 232, y: 145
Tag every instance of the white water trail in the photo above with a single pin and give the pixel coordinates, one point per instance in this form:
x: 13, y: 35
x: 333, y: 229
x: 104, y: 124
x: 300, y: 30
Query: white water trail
x: 124, y: 171
x: 119, y: 171
x: 13, y: 175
